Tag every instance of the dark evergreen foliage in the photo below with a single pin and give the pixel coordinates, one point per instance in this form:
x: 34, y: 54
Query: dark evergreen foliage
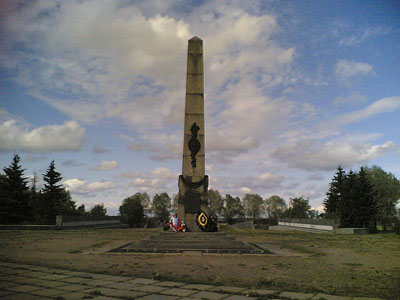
x: 332, y: 201
x: 14, y: 195
x: 54, y: 197
x: 352, y: 198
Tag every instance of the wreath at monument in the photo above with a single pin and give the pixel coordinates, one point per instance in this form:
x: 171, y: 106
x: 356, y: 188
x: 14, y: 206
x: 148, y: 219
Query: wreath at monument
x: 202, y: 220
x: 176, y: 224
x: 207, y: 223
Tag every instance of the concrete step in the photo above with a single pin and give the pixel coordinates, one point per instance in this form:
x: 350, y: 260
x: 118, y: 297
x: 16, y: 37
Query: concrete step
x: 227, y: 250
x: 173, y: 242
x: 180, y: 246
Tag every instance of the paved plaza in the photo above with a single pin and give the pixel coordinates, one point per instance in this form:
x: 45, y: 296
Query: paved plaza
x: 28, y: 282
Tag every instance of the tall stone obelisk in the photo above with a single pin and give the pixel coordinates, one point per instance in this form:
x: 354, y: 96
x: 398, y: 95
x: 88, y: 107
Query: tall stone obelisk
x: 193, y: 183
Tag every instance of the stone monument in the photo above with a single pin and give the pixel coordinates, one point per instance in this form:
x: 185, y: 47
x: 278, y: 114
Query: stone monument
x: 193, y: 183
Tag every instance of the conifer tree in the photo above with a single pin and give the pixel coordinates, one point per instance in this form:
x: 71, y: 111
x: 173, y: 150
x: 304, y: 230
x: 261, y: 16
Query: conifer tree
x: 54, y: 195
x: 334, y: 196
x: 347, y: 209
x: 14, y: 205
x: 366, y: 205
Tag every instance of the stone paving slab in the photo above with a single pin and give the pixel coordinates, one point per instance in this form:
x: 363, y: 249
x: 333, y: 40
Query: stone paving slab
x: 50, y: 284
x: 104, y: 298
x: 330, y: 297
x: 25, y: 282
x: 297, y: 296
x: 126, y: 294
x: 47, y: 292
x: 73, y: 287
x: 23, y: 297
x: 39, y: 269
x: 259, y: 292
x: 200, y: 287
x: 76, y: 280
x: 5, y: 284
x: 34, y: 274
x: 209, y: 295
x: 4, y: 293
x: 12, y: 271
x: 178, y: 292
x: 238, y: 297
x: 125, y: 285
x: 100, y: 291
x: 100, y: 283
x: 144, y: 281
x: 169, y: 283
x: 74, y: 273
x: 365, y: 298
x: 13, y: 278
x: 24, y: 288
x: 227, y: 289
x: 54, y: 277
x: 116, y: 278
x: 157, y: 297
x: 73, y: 296
x: 150, y: 288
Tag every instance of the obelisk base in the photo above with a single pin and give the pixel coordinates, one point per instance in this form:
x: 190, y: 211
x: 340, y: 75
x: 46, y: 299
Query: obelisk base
x: 190, y: 218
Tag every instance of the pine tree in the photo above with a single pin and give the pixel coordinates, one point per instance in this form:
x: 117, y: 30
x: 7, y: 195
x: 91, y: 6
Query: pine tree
x: 14, y: 205
x: 366, y: 204
x: 54, y: 196
x: 333, y: 200
x: 350, y: 197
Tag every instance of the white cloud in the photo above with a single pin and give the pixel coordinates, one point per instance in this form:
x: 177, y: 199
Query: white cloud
x: 354, y: 97
x: 124, y: 61
x: 157, y: 180
x: 346, y: 69
x: 312, y: 155
x: 359, y: 37
x: 378, y: 107
x: 106, y: 165
x: 82, y: 187
x: 69, y: 136
x: 164, y: 173
x: 245, y: 190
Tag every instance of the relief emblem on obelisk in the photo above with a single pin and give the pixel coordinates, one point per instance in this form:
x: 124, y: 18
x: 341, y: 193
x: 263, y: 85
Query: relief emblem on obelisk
x: 194, y: 144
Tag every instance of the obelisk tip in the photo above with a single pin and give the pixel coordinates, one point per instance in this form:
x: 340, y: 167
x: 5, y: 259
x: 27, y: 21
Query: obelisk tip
x: 195, y: 39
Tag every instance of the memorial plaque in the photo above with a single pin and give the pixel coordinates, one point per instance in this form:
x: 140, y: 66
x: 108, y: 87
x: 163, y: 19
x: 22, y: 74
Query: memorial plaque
x: 192, y: 202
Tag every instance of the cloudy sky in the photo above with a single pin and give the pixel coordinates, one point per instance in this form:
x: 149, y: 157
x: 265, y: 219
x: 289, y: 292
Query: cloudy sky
x: 292, y: 90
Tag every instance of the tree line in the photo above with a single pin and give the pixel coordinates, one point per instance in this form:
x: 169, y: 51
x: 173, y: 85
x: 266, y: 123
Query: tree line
x: 231, y: 209
x: 364, y: 199
x: 24, y: 204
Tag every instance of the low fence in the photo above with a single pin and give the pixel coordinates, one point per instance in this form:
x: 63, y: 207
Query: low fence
x: 316, y: 224
x: 88, y: 221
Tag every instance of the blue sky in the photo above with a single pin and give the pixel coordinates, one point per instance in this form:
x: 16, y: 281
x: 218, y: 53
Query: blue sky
x: 292, y: 90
